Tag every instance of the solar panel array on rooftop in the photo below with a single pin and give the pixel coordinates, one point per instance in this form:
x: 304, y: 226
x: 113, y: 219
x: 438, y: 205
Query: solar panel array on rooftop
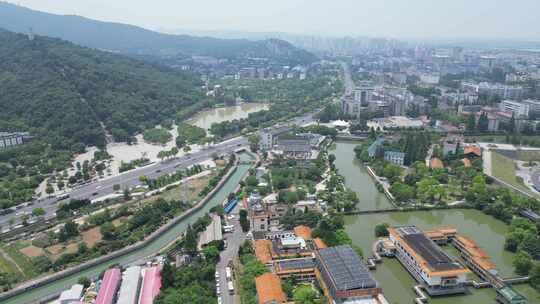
x: 346, y: 269
x: 296, y: 264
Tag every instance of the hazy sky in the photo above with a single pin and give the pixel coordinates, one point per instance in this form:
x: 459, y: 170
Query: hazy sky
x: 389, y: 18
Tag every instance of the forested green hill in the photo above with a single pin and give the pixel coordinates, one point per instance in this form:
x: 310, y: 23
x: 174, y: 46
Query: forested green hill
x: 65, y: 95
x: 62, y: 91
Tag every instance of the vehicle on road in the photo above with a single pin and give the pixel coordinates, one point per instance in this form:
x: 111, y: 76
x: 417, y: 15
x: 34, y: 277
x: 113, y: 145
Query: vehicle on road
x: 6, y: 211
x: 228, y: 228
x: 228, y: 273
x: 63, y: 196
x: 230, y: 287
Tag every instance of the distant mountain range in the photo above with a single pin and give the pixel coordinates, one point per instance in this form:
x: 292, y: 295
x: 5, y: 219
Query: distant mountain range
x: 352, y: 45
x: 129, y: 39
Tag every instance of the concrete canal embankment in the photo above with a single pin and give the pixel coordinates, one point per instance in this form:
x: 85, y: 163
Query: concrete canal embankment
x: 43, y: 288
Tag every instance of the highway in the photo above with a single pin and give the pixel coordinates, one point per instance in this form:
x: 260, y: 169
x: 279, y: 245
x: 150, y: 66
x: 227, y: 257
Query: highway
x: 130, y: 178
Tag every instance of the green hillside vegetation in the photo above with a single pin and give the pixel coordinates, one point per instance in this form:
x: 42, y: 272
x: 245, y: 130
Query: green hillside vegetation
x: 189, y: 134
x: 287, y: 99
x: 156, y: 135
x: 63, y: 95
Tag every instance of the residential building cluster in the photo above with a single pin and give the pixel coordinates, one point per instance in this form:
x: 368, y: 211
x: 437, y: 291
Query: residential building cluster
x: 12, y: 139
x: 339, y: 271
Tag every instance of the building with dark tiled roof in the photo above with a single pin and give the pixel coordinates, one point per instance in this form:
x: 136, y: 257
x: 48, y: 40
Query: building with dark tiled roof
x: 343, y: 276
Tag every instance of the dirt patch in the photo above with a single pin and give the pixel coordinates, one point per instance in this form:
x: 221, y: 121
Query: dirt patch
x: 220, y: 162
x: 188, y: 191
x: 55, y: 249
x: 72, y: 247
x: 32, y: 251
x: 92, y: 236
x: 119, y: 221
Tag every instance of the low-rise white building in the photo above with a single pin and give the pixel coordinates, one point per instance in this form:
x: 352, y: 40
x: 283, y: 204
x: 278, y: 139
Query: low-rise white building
x: 72, y: 295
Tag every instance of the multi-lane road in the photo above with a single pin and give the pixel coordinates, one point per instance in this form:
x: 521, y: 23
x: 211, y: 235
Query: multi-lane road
x: 130, y: 179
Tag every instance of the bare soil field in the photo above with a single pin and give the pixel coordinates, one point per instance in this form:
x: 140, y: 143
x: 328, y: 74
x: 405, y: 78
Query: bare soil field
x: 32, y: 251
x: 92, y: 236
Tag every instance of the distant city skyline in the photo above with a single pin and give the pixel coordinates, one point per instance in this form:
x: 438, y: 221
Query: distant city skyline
x: 416, y: 19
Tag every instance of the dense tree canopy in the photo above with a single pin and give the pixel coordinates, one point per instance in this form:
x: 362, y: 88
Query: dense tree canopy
x: 66, y: 95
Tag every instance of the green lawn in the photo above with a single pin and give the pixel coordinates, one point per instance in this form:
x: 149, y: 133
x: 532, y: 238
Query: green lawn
x: 22, y: 261
x: 504, y: 168
x: 8, y: 267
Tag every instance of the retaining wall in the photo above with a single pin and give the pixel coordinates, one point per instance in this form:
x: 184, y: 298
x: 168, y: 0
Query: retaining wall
x: 156, y: 234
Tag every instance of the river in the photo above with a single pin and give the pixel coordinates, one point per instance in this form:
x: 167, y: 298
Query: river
x: 205, y: 119
x: 150, y: 249
x: 357, y: 177
x: 395, y: 280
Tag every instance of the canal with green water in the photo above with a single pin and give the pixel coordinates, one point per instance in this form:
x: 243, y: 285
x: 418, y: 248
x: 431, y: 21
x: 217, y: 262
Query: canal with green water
x: 152, y: 248
x: 395, y: 280
x: 357, y: 177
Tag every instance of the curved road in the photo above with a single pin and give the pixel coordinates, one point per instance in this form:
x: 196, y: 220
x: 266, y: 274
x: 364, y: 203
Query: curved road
x: 128, y: 179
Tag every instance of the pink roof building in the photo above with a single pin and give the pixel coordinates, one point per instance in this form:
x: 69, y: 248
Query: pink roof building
x: 151, y: 285
x: 109, y: 286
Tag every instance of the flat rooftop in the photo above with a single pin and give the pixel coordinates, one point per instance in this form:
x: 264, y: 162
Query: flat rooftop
x: 345, y: 268
x: 436, y: 259
x: 296, y: 264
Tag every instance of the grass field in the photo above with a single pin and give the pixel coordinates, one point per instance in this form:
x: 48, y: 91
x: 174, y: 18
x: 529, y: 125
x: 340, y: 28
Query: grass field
x: 7, y: 266
x: 22, y: 261
x: 504, y: 168
x: 194, y: 187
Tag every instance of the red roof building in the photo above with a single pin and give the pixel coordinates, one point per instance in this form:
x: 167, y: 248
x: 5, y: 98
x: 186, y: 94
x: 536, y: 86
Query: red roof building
x: 109, y: 286
x: 472, y: 151
x: 269, y: 289
x: 436, y: 163
x: 151, y: 285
